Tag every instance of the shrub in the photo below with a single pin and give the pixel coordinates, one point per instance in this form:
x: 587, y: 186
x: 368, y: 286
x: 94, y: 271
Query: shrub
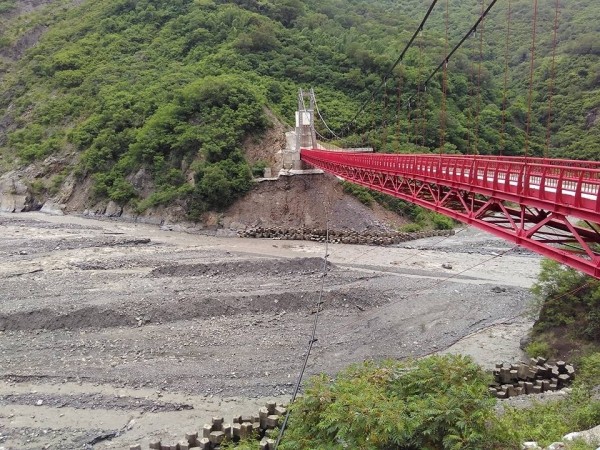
x: 258, y: 169
x: 218, y: 185
x: 69, y: 78
x: 538, y: 348
x: 589, y: 370
x: 441, y: 222
x: 113, y: 186
x: 440, y: 402
x: 56, y: 183
x: 546, y: 423
x: 37, y: 187
x: 6, y: 5
x: 411, y: 228
x: 5, y: 42
x: 567, y: 298
x: 536, y: 423
x: 165, y: 196
x: 121, y: 191
x: 361, y: 193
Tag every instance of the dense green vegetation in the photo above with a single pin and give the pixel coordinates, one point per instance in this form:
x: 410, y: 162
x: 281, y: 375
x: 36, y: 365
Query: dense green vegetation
x: 6, y: 5
x: 420, y: 218
x: 172, y: 88
x: 442, y: 403
x: 568, y: 306
x: 435, y: 403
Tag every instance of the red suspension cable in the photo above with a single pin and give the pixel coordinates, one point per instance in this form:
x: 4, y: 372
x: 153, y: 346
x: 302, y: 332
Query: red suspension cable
x: 531, y: 67
x: 478, y: 112
x: 470, y: 93
x: 399, y: 111
x: 552, y: 75
x: 384, y: 134
x: 443, y: 112
x: 417, y: 118
x: 423, y: 123
x: 373, y: 122
x: 411, y: 121
x: 505, y: 95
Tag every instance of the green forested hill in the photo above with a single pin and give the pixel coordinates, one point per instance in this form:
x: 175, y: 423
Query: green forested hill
x: 175, y: 86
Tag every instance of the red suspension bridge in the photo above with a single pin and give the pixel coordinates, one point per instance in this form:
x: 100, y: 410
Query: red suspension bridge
x: 539, y: 204
x: 550, y: 206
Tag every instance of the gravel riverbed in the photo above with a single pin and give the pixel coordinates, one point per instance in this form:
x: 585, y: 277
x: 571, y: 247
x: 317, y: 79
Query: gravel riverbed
x: 112, y: 332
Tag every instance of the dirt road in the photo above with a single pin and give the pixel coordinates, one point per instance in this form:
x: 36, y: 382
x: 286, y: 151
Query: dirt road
x: 110, y: 333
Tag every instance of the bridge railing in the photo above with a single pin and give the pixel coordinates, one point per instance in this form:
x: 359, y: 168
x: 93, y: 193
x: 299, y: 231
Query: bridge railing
x: 541, y: 161
x: 570, y: 183
x: 517, y: 159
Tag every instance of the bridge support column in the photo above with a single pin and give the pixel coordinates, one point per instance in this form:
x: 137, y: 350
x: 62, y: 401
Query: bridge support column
x: 304, y: 136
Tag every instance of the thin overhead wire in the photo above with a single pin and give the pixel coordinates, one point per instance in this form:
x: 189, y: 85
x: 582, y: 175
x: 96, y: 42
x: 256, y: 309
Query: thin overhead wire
x: 323, y: 138
x: 418, y: 292
x: 466, y: 270
x: 313, y: 338
x: 301, y: 95
x: 418, y: 97
x: 573, y: 291
x: 321, y: 117
x: 415, y: 254
x: 373, y: 121
x: 419, y: 30
x: 410, y: 119
x: 375, y: 247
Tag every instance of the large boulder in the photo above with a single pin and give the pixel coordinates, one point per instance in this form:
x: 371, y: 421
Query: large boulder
x: 14, y: 195
x: 590, y: 437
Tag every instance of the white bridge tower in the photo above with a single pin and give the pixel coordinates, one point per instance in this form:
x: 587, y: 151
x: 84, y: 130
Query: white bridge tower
x: 304, y: 135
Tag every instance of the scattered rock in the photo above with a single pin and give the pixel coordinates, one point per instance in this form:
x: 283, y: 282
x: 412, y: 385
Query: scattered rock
x: 53, y: 208
x: 241, y: 427
x: 113, y: 210
x: 511, y: 380
x: 524, y: 342
x: 338, y: 236
x: 591, y: 436
x: 202, y: 301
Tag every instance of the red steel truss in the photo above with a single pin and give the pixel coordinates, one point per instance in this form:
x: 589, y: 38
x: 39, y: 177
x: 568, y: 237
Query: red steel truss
x: 551, y: 207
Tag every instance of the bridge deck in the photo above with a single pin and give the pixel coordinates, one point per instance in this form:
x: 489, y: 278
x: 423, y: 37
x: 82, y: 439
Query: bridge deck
x: 572, y: 187
x: 533, y: 202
